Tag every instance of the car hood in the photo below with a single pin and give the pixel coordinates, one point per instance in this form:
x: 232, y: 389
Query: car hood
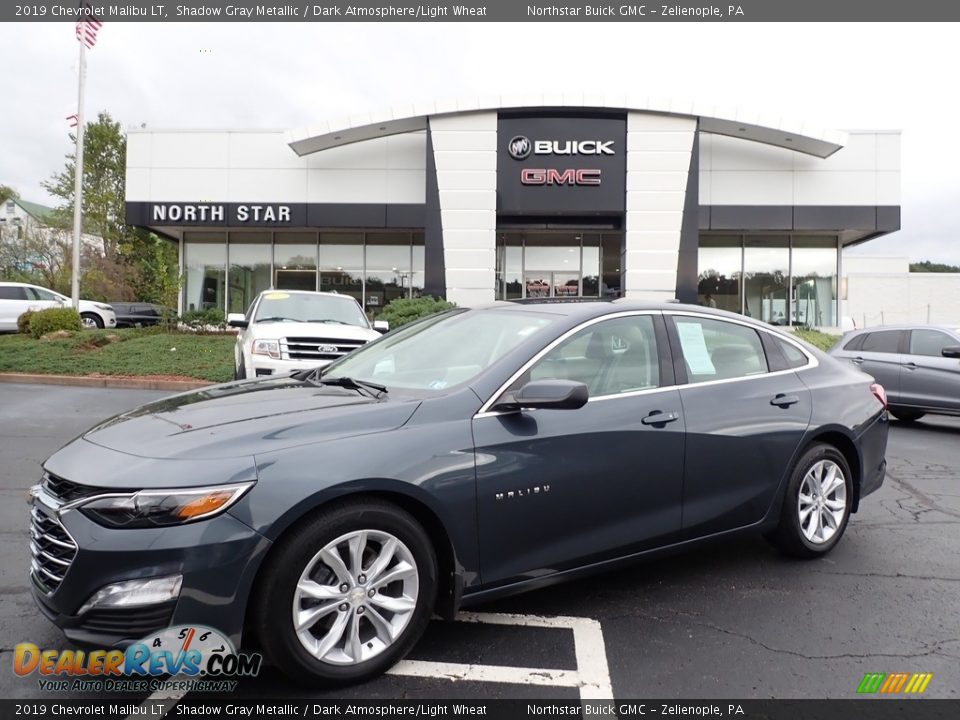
x: 289, y: 328
x: 245, y: 418
x: 91, y: 306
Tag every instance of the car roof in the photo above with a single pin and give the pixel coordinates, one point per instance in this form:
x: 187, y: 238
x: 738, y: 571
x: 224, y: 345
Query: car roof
x: 918, y: 326
x: 308, y: 292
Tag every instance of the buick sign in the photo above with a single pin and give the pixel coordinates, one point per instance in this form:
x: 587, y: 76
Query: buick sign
x: 519, y: 147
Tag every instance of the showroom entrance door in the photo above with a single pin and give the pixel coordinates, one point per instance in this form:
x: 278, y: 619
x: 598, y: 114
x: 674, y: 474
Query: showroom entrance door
x: 541, y: 284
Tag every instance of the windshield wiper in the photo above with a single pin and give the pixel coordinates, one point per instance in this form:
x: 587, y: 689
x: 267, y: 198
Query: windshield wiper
x: 314, y: 376
x: 277, y: 318
x: 328, y: 320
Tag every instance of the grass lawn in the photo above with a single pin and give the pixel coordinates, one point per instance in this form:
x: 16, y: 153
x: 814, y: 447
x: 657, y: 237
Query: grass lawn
x: 822, y: 340
x: 121, y: 352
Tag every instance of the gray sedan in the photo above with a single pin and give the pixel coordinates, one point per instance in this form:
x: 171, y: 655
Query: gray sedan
x: 918, y: 366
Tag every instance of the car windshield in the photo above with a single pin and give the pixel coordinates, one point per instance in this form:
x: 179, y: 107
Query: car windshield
x: 307, y: 307
x: 441, y: 352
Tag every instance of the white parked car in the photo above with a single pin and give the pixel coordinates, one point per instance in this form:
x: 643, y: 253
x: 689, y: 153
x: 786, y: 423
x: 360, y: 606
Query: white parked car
x: 287, y: 330
x: 16, y: 298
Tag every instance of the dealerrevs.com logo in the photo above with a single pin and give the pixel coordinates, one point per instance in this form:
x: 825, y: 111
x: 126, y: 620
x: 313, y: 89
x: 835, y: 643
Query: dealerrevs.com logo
x: 200, y: 658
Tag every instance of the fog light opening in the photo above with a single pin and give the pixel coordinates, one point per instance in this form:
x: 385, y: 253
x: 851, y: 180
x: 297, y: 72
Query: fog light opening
x: 135, y: 593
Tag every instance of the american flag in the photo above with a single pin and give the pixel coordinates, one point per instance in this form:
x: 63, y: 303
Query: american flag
x: 72, y: 119
x: 87, y: 29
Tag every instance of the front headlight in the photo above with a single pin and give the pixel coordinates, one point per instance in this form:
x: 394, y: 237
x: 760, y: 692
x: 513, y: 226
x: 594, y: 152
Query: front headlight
x: 270, y: 348
x: 103, y: 307
x: 160, y: 508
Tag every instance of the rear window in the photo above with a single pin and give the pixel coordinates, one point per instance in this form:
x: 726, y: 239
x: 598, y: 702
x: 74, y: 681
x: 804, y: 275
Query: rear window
x: 885, y: 341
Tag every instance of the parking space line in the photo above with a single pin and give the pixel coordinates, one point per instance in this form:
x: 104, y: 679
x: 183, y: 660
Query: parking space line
x: 591, y: 678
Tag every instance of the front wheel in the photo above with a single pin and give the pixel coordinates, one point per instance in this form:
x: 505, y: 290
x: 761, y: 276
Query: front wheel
x: 817, y: 504
x: 92, y: 321
x: 347, y: 594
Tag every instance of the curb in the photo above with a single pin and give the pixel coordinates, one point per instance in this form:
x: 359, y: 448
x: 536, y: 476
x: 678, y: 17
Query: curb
x: 129, y: 383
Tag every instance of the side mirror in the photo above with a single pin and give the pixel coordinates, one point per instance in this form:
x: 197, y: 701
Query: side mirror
x: 546, y: 395
x: 237, y: 320
x: 953, y: 351
x: 381, y: 326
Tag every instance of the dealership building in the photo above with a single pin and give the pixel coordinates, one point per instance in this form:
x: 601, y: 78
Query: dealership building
x: 537, y: 196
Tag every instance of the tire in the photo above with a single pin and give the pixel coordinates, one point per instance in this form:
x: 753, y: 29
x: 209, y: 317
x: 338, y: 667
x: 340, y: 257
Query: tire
x: 92, y: 320
x: 240, y: 372
x: 802, y: 537
x: 907, y: 416
x: 389, y: 622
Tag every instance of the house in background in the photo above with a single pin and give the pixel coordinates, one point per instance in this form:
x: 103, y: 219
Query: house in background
x: 29, y: 233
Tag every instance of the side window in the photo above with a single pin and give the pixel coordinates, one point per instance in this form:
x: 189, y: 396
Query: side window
x: 610, y: 357
x: 857, y: 342
x: 792, y: 354
x: 44, y: 294
x: 719, y: 350
x: 929, y: 342
x: 12, y: 292
x: 885, y: 341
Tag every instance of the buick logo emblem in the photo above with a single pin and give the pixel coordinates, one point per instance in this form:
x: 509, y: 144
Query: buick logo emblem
x: 519, y: 147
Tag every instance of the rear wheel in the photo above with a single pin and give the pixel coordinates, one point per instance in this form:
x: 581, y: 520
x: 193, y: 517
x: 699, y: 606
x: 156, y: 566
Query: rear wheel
x: 92, y: 321
x: 347, y: 594
x: 817, y: 504
x: 905, y: 415
x: 240, y: 372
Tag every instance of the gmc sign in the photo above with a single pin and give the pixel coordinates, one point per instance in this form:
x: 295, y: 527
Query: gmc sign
x: 552, y: 176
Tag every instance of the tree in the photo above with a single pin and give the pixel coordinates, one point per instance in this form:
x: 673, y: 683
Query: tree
x: 7, y: 193
x: 136, y: 263
x: 931, y: 267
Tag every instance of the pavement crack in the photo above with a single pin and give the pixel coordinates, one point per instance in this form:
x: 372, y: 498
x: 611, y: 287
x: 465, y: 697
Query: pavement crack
x: 934, y: 578
x: 920, y: 497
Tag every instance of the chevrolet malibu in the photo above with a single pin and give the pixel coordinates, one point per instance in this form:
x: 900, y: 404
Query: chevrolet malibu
x: 326, y: 515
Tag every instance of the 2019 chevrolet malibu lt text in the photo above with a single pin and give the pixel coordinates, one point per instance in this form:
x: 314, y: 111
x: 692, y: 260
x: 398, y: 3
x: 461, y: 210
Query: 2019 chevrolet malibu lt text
x: 473, y: 454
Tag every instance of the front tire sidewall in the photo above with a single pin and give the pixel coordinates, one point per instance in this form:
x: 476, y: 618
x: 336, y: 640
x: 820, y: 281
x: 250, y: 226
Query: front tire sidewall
x: 789, y: 536
x: 91, y: 321
x: 276, y: 591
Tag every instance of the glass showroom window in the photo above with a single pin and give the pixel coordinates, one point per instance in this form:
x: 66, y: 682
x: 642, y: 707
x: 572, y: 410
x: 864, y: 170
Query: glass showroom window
x: 295, y: 260
x: 417, y: 277
x: 766, y: 272
x: 204, y: 265
x: 341, y: 264
x: 720, y: 270
x: 250, y: 256
x: 388, y: 269
x: 590, y: 266
x: 509, y: 267
x: 814, y: 281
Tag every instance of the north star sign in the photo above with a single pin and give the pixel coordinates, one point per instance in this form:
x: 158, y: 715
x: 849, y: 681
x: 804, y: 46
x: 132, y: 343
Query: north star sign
x: 217, y: 213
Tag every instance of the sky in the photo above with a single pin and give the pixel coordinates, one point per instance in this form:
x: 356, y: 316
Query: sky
x: 279, y: 75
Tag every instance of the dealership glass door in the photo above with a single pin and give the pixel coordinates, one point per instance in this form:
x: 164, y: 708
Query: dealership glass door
x: 551, y: 284
x: 540, y: 264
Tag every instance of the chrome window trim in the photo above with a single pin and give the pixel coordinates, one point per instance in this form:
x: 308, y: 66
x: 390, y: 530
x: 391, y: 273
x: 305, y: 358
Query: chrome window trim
x: 812, y: 361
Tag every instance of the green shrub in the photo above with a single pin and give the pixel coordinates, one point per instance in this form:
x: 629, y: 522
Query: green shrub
x: 204, y: 319
x: 23, y: 322
x: 403, y: 311
x: 53, y: 319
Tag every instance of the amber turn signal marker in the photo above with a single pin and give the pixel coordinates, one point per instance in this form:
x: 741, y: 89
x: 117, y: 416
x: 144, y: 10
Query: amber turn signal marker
x: 204, y: 504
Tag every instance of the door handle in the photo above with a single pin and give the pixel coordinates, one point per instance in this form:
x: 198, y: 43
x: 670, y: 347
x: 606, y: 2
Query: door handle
x: 910, y: 366
x: 857, y: 360
x: 785, y: 401
x: 660, y: 418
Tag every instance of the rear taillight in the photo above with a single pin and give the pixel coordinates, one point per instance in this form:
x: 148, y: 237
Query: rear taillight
x: 879, y: 393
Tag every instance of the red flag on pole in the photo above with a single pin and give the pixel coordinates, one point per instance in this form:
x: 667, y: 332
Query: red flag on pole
x: 88, y: 28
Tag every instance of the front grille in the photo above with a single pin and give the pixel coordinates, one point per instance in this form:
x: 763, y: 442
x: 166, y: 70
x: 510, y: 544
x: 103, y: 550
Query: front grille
x: 51, y: 551
x: 66, y: 491
x: 130, y: 622
x: 306, y: 348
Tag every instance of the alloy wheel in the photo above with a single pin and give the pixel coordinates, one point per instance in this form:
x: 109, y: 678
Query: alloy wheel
x: 355, y: 597
x: 822, y: 502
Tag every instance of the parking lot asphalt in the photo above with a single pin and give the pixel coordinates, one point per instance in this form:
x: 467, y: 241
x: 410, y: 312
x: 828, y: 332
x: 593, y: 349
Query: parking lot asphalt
x: 731, y: 620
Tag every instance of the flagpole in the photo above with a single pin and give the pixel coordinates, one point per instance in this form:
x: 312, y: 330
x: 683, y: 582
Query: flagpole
x: 78, y: 183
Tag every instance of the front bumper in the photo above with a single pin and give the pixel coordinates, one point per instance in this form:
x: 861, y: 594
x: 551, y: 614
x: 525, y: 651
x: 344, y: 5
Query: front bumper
x: 217, y: 558
x: 262, y: 365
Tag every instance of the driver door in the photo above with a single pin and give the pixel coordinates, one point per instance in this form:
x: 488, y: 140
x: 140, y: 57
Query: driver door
x: 562, y: 488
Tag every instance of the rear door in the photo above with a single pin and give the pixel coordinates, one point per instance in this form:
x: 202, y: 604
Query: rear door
x: 745, y: 417
x: 880, y: 356
x: 13, y: 303
x: 927, y: 379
